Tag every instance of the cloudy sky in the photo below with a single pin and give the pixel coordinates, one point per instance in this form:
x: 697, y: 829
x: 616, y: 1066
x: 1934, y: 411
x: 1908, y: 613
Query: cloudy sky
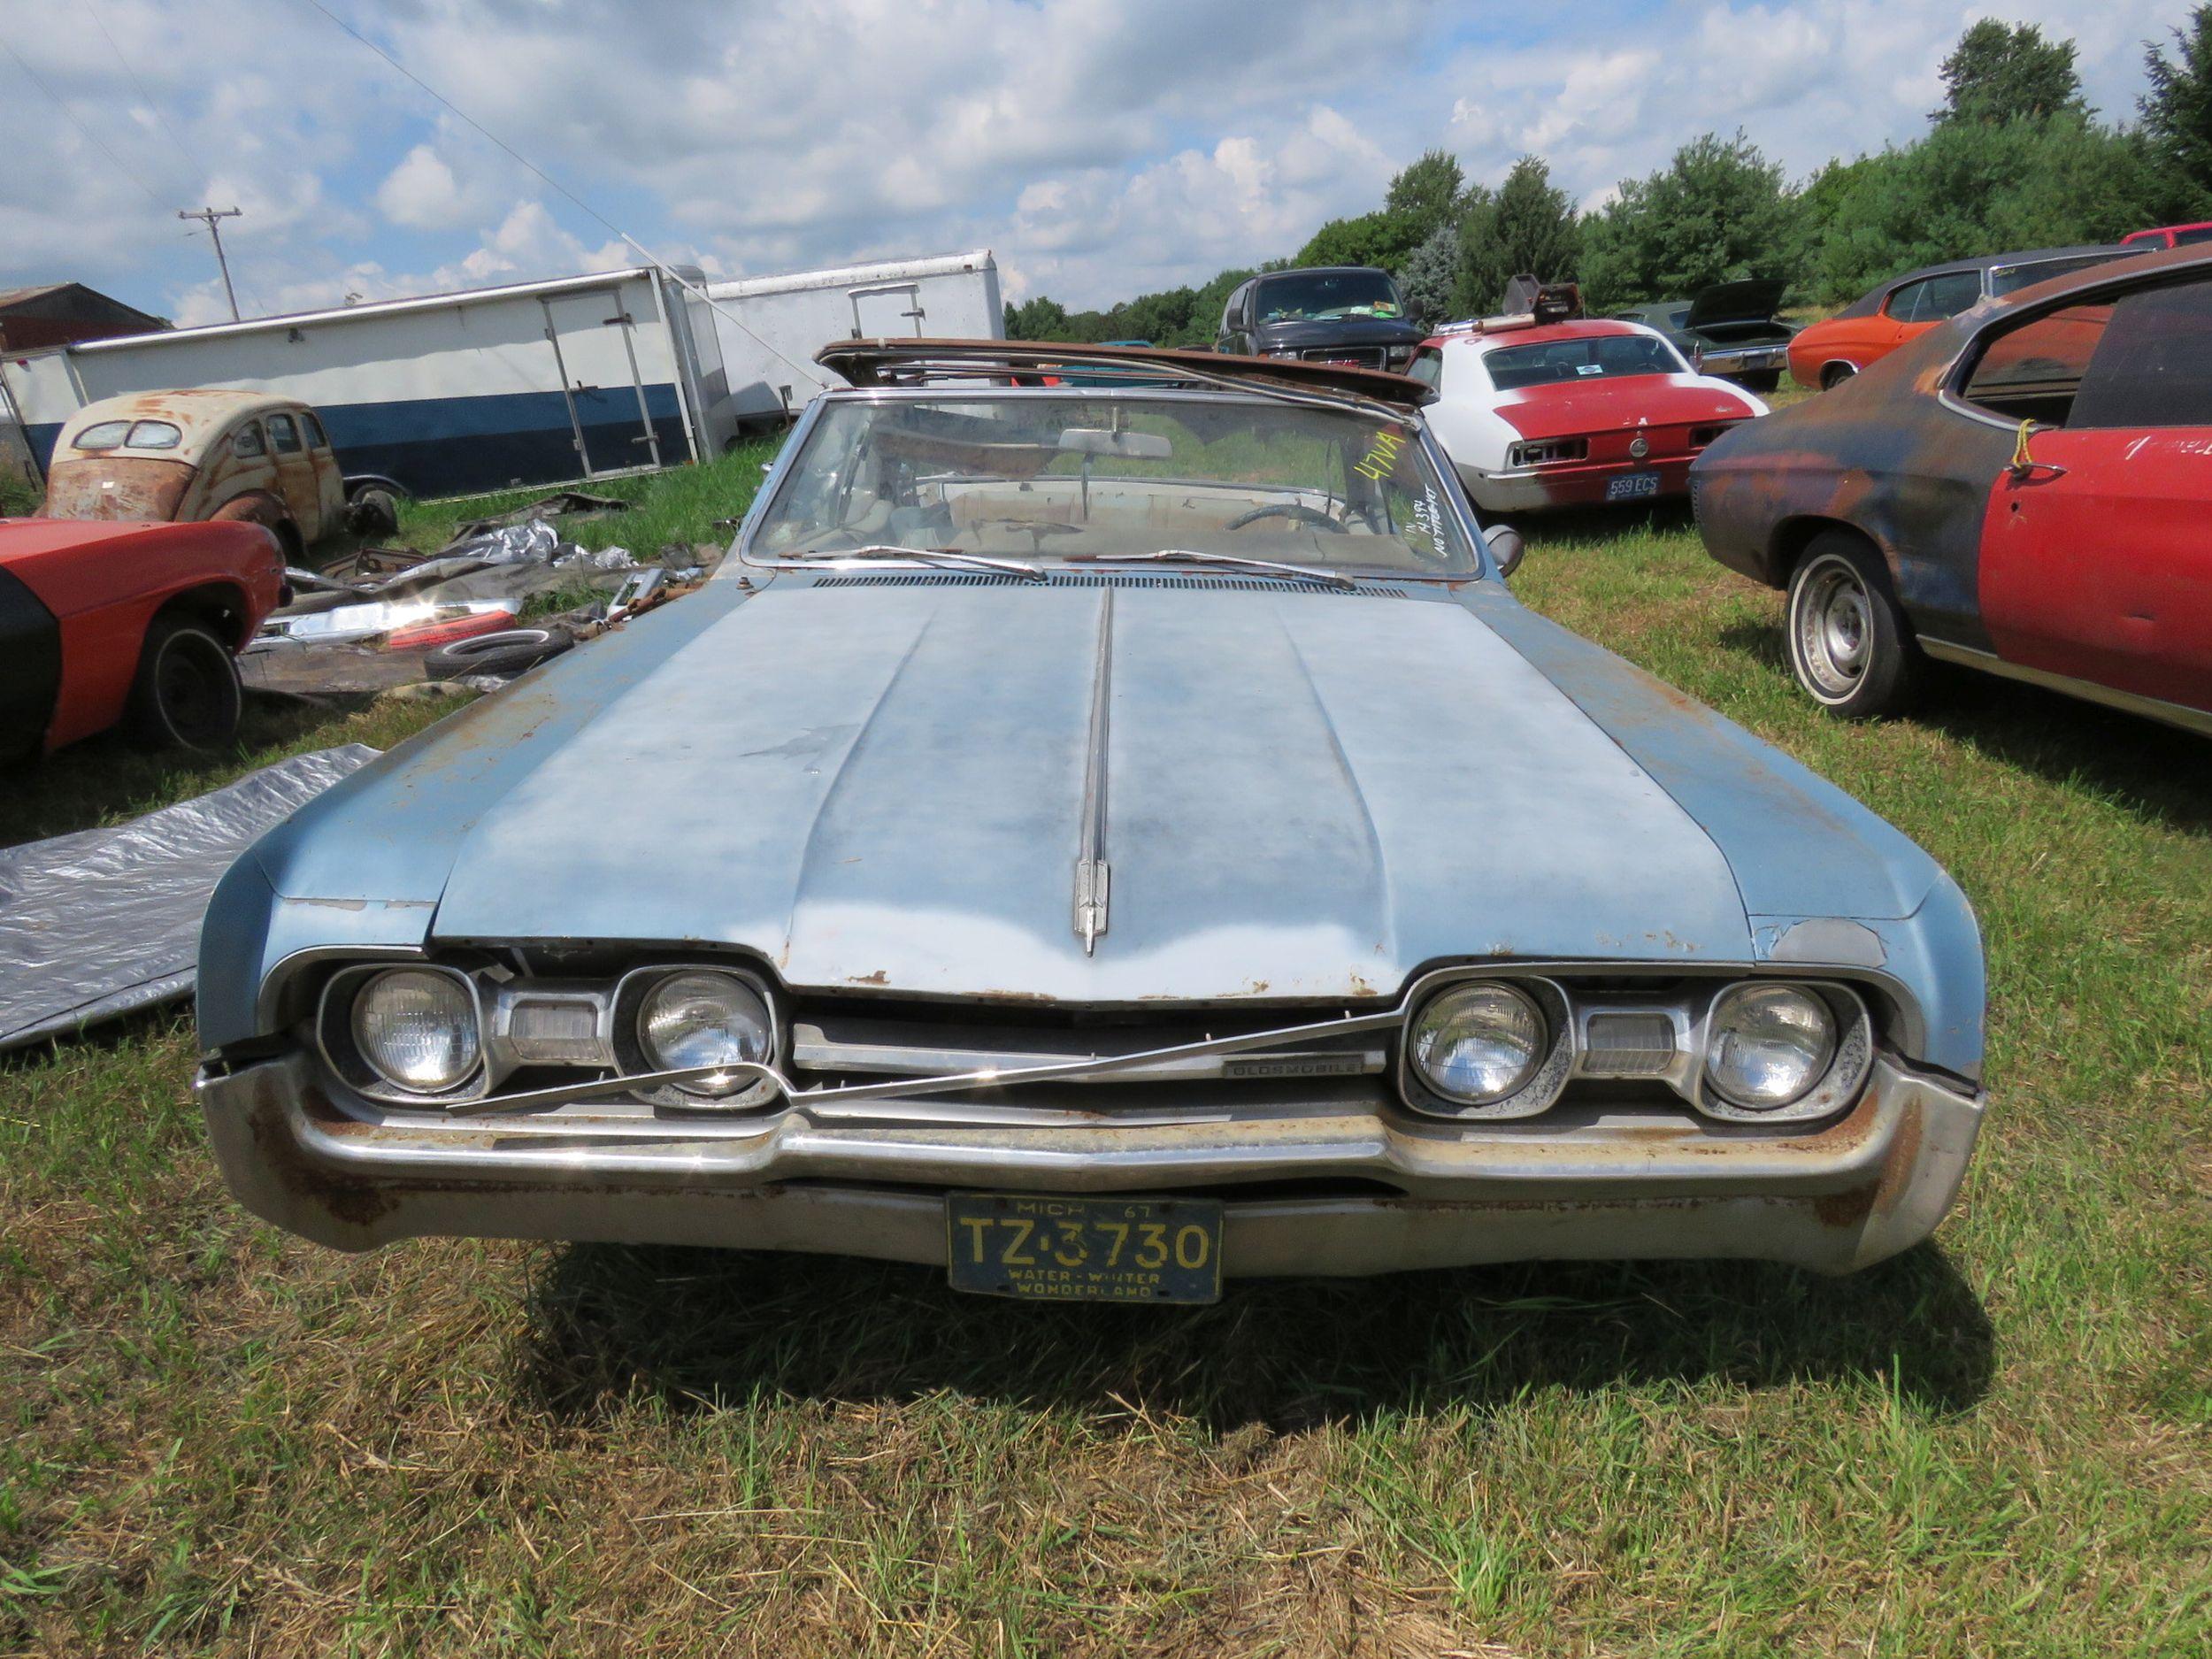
x: 1100, y: 149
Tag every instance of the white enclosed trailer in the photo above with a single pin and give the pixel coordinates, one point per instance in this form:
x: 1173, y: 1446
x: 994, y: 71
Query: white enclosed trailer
x: 770, y: 326
x: 531, y: 383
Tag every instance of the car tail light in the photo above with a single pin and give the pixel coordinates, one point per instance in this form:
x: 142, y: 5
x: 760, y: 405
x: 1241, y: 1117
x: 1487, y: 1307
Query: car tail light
x: 1548, y: 452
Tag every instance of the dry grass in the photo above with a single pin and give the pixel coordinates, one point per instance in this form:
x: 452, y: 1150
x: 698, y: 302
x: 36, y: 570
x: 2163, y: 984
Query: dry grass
x: 223, y: 1440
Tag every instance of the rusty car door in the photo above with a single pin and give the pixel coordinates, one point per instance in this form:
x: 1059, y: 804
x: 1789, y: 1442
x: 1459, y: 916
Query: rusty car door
x: 295, y: 483
x: 330, y: 481
x: 2095, y: 565
x: 235, y: 463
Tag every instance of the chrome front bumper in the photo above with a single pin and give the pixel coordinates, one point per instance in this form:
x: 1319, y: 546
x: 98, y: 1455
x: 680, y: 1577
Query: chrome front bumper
x: 1444, y: 1193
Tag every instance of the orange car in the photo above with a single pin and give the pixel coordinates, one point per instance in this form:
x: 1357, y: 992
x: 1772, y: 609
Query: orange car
x: 1908, y: 306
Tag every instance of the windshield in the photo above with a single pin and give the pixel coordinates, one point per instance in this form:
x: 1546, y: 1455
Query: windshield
x: 1314, y: 296
x: 1046, y: 476
x: 1593, y: 357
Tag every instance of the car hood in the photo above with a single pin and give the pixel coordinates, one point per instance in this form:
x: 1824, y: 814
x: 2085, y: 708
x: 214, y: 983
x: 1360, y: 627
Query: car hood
x: 1748, y: 302
x: 1565, y: 409
x: 879, y: 783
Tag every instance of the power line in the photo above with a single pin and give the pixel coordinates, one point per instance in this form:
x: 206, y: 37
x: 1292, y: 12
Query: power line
x: 86, y: 132
x: 175, y: 137
x: 523, y: 161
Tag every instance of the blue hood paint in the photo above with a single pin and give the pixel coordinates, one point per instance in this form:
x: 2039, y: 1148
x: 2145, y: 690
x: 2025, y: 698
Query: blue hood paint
x: 1312, y: 796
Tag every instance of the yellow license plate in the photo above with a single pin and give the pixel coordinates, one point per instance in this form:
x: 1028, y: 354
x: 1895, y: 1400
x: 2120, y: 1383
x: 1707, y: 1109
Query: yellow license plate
x: 1085, y: 1249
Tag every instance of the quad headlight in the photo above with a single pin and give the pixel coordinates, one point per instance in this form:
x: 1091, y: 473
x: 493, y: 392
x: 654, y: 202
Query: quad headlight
x: 699, y: 1017
x: 1478, y: 1043
x: 416, y: 1029
x: 1767, y: 1045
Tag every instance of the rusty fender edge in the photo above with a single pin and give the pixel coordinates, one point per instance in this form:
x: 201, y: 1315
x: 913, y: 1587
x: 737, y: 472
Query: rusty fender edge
x: 1840, y: 1198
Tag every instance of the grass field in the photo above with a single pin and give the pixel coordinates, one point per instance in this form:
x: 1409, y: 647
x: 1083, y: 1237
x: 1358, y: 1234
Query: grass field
x: 220, y: 1440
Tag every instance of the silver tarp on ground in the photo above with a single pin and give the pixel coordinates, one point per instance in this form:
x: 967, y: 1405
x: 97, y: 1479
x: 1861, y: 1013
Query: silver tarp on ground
x: 99, y: 923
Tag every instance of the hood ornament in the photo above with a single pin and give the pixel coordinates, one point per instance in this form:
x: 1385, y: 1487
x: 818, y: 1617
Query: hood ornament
x: 1091, y: 875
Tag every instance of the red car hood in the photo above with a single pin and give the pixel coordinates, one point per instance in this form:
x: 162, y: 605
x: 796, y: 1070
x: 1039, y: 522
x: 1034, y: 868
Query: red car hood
x: 1567, y: 409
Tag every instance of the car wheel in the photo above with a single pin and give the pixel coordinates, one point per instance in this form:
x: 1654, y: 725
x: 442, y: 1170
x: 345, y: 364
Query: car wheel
x: 1850, y: 645
x: 187, y: 693
x: 372, y: 513
x: 508, y: 651
x: 1835, y: 374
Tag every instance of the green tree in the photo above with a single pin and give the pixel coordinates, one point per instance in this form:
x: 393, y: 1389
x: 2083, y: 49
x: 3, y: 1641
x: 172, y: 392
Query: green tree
x: 2177, y: 112
x: 1429, y: 195
x: 1037, y: 318
x: 1429, y: 279
x: 2001, y: 73
x: 1528, y: 225
x: 1718, y: 213
x: 1381, y: 238
x: 1971, y: 188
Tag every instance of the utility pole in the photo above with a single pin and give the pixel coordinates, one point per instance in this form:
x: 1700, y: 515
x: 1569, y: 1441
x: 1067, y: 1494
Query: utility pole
x: 211, y: 215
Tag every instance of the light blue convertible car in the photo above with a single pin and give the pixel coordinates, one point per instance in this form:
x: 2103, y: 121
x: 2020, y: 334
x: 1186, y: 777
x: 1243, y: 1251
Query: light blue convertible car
x: 1095, y: 840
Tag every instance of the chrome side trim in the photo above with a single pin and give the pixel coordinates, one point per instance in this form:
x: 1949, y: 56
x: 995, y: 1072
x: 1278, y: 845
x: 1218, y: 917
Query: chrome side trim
x: 812, y: 1049
x: 1091, y: 873
x: 2197, y: 720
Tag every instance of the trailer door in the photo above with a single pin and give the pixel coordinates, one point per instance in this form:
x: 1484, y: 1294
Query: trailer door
x: 884, y: 310
x: 594, y: 353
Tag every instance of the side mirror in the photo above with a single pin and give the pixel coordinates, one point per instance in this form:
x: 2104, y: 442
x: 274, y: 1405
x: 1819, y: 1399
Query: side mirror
x: 1507, y: 549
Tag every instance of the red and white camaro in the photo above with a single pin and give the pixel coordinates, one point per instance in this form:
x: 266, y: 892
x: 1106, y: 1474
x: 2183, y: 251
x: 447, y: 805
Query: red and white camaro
x: 1569, y: 414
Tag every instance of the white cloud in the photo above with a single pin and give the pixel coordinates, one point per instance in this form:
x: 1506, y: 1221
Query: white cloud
x: 422, y: 192
x: 1100, y: 149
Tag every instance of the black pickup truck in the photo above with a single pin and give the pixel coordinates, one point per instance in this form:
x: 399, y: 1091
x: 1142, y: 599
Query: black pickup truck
x: 1323, y: 314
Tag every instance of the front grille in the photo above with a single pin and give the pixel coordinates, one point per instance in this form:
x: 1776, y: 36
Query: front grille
x: 1097, y: 578
x: 1362, y: 357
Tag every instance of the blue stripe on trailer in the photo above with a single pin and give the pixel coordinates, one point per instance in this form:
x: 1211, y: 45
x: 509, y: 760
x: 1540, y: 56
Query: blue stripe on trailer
x: 459, y: 446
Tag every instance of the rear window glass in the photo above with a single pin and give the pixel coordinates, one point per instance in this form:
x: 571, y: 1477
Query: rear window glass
x: 1600, y: 357
x: 2202, y: 233
x: 2032, y: 373
x: 108, y: 434
x: 246, y: 443
x: 2012, y: 278
x: 154, y: 434
x: 284, y: 437
x: 2153, y: 366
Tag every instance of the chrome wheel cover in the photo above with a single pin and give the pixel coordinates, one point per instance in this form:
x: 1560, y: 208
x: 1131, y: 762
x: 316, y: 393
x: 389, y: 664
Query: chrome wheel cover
x: 1833, y: 630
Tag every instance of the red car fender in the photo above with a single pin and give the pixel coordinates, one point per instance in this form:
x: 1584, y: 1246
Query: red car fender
x: 104, y: 583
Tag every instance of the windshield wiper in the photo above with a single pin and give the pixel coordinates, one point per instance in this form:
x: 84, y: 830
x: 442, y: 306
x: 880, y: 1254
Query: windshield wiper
x: 1179, y: 555
x: 945, y: 557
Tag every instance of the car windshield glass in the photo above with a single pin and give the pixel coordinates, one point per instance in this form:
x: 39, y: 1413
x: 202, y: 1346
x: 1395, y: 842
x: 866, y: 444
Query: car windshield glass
x: 1326, y: 296
x: 2009, y: 278
x: 1045, y: 476
x: 108, y: 434
x: 1594, y: 357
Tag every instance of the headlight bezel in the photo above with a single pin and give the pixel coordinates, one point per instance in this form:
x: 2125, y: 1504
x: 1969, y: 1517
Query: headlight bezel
x: 1684, y: 1003
x: 1836, y: 1086
x: 336, y: 1032
x: 1541, y: 1088
x: 626, y: 1007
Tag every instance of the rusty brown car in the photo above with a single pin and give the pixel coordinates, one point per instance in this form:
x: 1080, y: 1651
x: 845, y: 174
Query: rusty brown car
x: 180, y: 455
x: 2020, y: 490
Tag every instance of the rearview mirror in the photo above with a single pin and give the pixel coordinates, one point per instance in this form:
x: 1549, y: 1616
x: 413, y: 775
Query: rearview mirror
x: 1506, y: 548
x: 1137, y: 446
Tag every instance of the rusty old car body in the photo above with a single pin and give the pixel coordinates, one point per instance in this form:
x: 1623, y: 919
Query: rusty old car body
x: 1132, y: 805
x: 2023, y: 490
x: 178, y: 455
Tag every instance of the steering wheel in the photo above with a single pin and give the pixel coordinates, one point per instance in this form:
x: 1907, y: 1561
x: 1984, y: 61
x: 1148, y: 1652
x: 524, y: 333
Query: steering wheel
x: 1296, y: 512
